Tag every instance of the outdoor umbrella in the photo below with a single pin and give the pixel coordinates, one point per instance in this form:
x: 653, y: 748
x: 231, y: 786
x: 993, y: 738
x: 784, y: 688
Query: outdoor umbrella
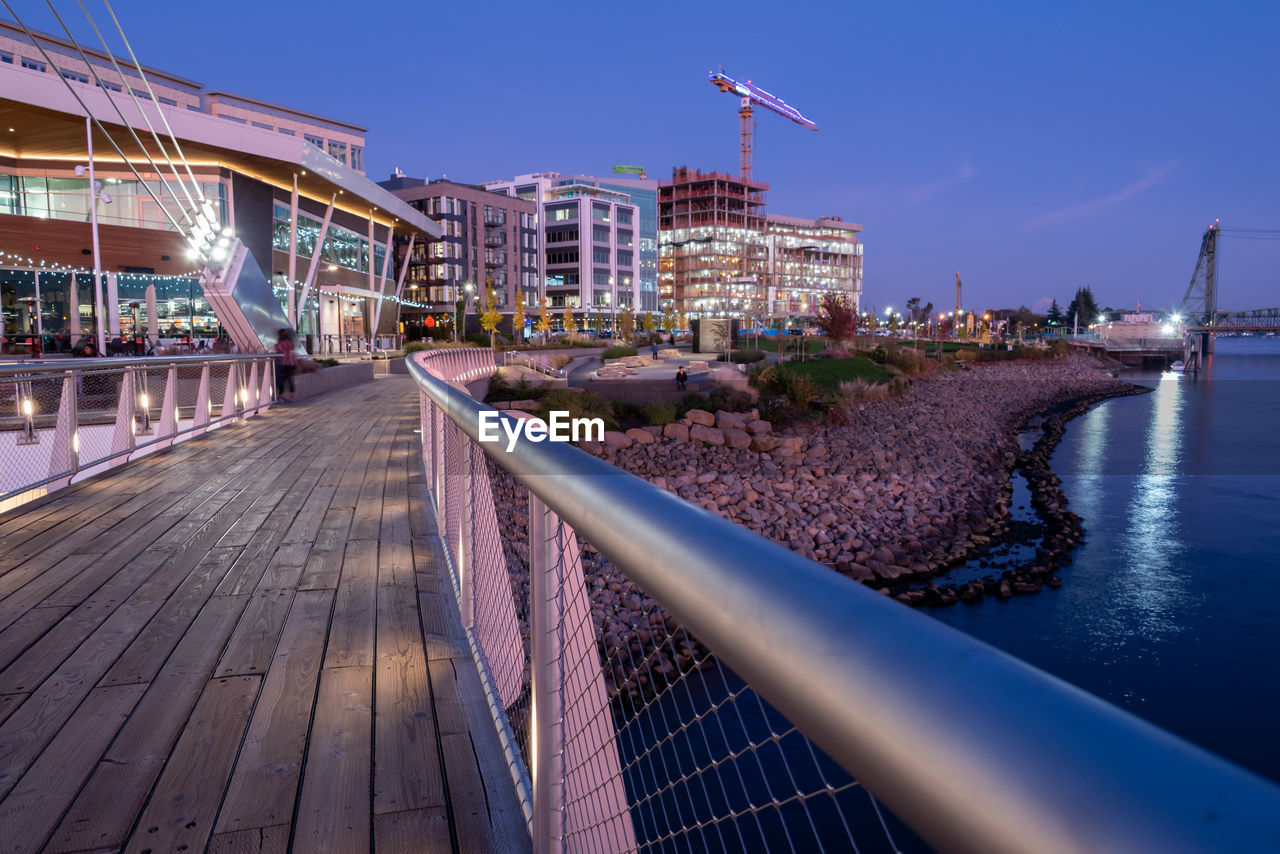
x: 75, y: 311
x: 153, y: 322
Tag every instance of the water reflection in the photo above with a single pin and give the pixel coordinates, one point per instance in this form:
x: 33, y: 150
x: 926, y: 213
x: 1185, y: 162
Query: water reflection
x: 1087, y: 484
x: 1150, y: 584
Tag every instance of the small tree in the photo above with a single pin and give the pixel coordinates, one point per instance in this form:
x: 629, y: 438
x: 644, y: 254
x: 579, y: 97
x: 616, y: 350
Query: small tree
x: 544, y: 318
x: 837, y: 317
x: 568, y: 317
x: 491, y: 317
x: 1054, y: 317
x: 669, y: 320
x: 627, y: 323
x: 597, y: 321
x: 517, y: 320
x: 648, y: 323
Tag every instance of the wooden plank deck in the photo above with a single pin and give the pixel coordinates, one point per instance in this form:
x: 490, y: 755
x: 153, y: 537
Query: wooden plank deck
x: 244, y: 644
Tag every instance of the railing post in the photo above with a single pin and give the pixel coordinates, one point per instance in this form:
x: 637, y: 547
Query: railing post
x: 548, y: 710
x: 169, y: 406
x: 231, y: 395
x: 204, y: 405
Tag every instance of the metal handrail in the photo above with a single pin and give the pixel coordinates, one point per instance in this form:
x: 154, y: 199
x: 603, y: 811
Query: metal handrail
x: 528, y: 361
x: 62, y: 365
x: 976, y: 750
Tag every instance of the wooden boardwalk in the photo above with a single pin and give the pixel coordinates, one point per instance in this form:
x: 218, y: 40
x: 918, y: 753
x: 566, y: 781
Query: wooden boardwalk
x: 247, y: 643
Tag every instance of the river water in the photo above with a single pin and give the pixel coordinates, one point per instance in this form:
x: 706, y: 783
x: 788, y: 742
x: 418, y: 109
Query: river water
x: 1171, y: 607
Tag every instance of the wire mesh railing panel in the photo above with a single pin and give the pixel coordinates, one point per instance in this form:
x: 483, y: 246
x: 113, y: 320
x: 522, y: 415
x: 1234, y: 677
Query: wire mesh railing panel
x: 665, y: 748
x: 499, y: 602
x: 66, y: 420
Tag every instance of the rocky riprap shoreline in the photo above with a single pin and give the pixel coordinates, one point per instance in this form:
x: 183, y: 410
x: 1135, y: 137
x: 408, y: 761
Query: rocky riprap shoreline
x: 908, y: 487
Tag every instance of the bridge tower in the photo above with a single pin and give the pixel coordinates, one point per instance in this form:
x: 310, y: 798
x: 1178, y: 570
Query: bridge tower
x: 1200, y: 304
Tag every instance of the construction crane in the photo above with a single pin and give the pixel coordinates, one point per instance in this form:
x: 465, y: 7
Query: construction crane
x: 752, y: 94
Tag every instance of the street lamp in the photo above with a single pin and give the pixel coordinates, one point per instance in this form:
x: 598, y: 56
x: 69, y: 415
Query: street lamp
x: 95, y: 195
x: 467, y: 288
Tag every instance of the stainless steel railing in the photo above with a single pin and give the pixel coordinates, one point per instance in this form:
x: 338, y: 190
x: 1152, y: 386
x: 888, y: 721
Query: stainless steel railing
x: 975, y: 750
x: 62, y: 420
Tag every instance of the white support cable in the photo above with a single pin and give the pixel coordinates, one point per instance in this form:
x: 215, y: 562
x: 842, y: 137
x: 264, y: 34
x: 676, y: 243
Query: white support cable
x: 196, y: 205
x: 125, y: 122
x: 145, y: 82
x: 49, y: 60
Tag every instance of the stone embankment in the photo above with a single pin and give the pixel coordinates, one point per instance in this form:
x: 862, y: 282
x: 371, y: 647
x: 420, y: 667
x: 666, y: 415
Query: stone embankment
x: 906, y: 488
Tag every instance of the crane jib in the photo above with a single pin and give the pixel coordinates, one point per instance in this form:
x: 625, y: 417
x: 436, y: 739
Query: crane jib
x: 725, y: 83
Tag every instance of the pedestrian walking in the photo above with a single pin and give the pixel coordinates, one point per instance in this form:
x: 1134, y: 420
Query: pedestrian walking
x: 286, y: 367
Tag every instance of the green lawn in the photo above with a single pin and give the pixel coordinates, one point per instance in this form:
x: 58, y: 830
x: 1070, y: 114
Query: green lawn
x: 829, y: 373
x: 811, y: 345
x: 930, y: 348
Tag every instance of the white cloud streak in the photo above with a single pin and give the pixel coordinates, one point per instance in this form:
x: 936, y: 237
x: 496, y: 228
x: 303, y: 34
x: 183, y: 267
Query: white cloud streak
x: 1155, y: 175
x: 965, y: 173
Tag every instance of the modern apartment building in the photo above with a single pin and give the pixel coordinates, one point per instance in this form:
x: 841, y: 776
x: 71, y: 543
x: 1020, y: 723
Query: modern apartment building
x: 712, y: 252
x: 342, y: 141
x: 590, y: 258
x: 489, y: 239
x: 809, y: 258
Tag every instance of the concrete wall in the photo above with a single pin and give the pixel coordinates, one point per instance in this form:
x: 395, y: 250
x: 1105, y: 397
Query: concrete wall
x: 328, y: 379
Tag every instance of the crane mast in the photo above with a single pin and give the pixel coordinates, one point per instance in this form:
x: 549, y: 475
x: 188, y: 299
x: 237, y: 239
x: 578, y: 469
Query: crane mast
x: 752, y: 94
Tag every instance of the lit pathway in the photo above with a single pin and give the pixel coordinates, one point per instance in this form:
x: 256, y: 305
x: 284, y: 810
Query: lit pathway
x: 245, y: 644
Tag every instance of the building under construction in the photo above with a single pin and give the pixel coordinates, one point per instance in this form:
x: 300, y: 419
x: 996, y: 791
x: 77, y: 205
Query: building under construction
x: 720, y: 254
x: 809, y: 258
x: 713, y: 258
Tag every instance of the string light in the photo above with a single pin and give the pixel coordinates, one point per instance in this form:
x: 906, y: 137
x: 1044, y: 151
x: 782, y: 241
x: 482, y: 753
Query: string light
x: 36, y: 265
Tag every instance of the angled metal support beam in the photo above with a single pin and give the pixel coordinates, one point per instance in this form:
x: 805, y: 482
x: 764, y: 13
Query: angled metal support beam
x: 315, y: 260
x: 386, y: 271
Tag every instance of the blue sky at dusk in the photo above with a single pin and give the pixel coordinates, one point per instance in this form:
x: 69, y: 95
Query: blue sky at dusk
x: 1034, y: 149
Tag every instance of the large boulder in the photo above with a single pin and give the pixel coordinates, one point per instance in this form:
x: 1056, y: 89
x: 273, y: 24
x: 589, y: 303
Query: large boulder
x: 710, y: 435
x: 641, y: 437
x: 614, y: 439
x: 764, y: 443
x: 701, y: 416
x: 738, y: 439
x: 677, y: 431
x: 758, y: 426
x: 730, y: 420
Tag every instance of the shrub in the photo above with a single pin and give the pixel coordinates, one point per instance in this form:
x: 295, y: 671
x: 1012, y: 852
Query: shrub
x: 629, y: 414
x: 661, y: 412
x: 559, y: 360
x: 480, y: 339
x: 617, y: 351
x: 744, y: 357
x: 579, y: 405
x: 732, y: 399
x: 415, y: 346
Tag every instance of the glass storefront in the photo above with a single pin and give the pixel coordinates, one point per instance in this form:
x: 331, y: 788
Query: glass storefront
x: 39, y: 303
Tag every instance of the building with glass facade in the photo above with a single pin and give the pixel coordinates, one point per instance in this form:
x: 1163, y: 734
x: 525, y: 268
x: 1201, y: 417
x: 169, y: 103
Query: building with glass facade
x: 245, y: 171
x: 488, y: 239
x: 809, y: 258
x: 590, y: 238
